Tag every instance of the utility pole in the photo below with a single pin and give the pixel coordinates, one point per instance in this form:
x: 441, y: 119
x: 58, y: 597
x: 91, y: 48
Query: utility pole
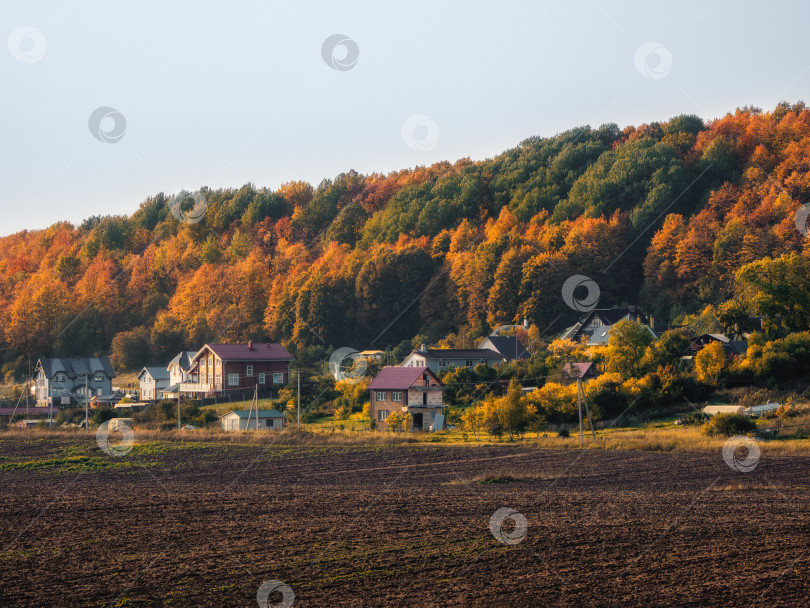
x: 299, y: 398
x: 86, y: 403
x: 579, y: 403
x: 580, y: 399
x: 178, y: 407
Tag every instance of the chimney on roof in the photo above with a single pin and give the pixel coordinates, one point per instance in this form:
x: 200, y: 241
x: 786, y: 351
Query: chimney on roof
x: 250, y: 345
x: 525, y: 323
x: 423, y: 347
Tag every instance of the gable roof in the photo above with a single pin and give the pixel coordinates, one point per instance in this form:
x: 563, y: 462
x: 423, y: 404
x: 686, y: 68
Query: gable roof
x: 183, y: 359
x: 399, y: 378
x: 460, y: 353
x: 158, y: 373
x: 74, y: 367
x: 255, y: 351
x: 505, y: 345
x: 262, y: 413
x: 577, y: 370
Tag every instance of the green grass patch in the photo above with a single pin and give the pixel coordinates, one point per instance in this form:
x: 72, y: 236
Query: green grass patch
x: 67, y: 464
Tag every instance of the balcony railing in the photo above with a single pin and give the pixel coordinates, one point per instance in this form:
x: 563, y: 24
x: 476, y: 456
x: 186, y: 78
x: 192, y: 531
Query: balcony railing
x: 195, y: 387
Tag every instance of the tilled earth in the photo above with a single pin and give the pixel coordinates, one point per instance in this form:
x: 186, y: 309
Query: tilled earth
x: 194, y: 524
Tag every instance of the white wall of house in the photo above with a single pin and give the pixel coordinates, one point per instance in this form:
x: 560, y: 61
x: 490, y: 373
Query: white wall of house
x: 232, y: 422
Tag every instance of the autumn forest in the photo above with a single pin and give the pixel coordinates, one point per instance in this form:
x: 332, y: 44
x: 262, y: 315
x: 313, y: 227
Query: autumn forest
x: 690, y: 221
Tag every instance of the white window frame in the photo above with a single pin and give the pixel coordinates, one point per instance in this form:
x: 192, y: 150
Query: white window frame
x: 278, y: 378
x: 381, y: 396
x: 396, y: 395
x: 382, y: 415
x: 233, y: 379
x: 262, y: 379
x: 98, y: 377
x: 249, y: 371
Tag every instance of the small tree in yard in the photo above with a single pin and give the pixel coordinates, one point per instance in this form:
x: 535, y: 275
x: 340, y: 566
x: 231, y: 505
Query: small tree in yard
x: 727, y: 425
x: 397, y: 421
x: 710, y: 364
x: 511, y: 409
x: 473, y: 419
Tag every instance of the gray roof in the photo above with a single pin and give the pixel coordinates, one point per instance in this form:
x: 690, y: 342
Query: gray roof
x: 158, y: 373
x: 75, y: 367
x: 505, y: 345
x: 183, y: 359
x: 460, y: 353
x: 262, y: 413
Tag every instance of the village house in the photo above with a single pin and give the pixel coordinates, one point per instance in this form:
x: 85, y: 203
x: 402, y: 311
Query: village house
x: 223, y: 368
x: 509, y: 347
x: 68, y: 381
x: 733, y: 348
x: 410, y: 390
x: 180, y: 367
x: 594, y: 329
x: 179, y: 370
x: 584, y: 370
x: 247, y: 420
x: 153, y: 381
x: 441, y: 359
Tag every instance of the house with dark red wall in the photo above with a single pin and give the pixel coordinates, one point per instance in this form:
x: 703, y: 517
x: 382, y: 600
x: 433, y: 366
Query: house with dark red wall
x: 219, y: 368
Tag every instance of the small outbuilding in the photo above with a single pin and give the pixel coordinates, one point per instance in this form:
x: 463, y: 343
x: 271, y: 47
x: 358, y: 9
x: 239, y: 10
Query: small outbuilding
x: 711, y: 410
x: 251, y: 420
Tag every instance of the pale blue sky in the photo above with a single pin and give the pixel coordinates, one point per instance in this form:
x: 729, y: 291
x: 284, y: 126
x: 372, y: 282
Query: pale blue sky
x: 225, y: 93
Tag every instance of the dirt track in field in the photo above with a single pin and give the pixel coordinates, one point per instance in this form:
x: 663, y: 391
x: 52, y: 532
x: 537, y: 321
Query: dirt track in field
x: 206, y: 525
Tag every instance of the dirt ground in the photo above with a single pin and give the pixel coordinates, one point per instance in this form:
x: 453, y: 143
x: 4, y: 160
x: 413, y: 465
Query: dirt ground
x: 194, y: 524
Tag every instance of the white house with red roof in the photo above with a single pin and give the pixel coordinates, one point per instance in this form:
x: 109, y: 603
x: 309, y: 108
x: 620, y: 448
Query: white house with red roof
x: 410, y: 390
x: 220, y: 368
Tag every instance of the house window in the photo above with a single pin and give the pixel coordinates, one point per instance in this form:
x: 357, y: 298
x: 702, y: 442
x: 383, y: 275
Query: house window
x: 278, y: 378
x: 433, y: 414
x: 60, y: 377
x: 262, y: 379
x: 250, y: 370
x: 396, y: 396
x: 420, y: 364
x: 98, y: 377
x: 269, y: 422
x: 442, y: 363
x: 218, y: 363
x: 468, y: 363
x: 381, y: 397
x: 382, y: 415
x: 219, y: 378
x: 208, y: 378
x: 233, y: 379
x: 98, y: 392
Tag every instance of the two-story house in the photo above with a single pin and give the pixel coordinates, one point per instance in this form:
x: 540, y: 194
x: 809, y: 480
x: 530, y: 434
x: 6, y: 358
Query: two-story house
x: 441, y: 359
x: 179, y: 368
x: 595, y: 328
x: 68, y: 381
x: 411, y: 390
x: 219, y: 368
x: 153, y: 381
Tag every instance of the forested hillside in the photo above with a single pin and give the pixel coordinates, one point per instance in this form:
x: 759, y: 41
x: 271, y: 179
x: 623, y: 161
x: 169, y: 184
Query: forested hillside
x: 672, y: 216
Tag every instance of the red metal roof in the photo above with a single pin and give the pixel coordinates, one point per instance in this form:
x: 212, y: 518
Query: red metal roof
x: 398, y: 378
x: 577, y: 370
x: 257, y: 351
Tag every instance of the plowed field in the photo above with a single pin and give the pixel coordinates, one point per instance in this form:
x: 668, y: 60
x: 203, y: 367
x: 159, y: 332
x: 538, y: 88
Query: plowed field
x: 195, y: 524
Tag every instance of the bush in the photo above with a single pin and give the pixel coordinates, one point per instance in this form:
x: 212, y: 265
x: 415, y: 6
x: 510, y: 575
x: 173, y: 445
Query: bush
x: 563, y: 432
x: 727, y: 425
